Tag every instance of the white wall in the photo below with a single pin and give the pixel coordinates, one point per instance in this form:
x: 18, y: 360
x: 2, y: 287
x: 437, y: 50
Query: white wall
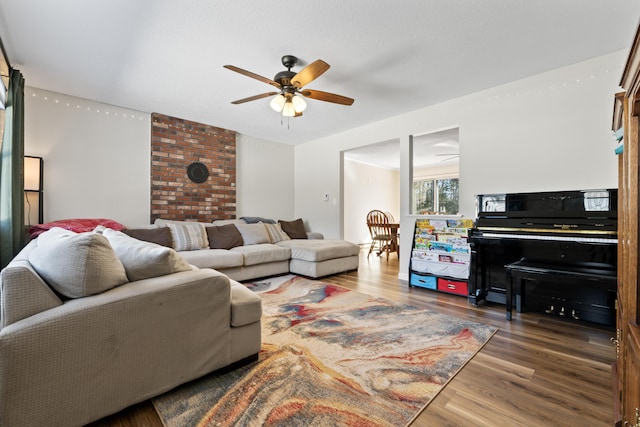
x: 264, y: 178
x: 97, y: 162
x: 436, y: 172
x: 366, y: 188
x: 551, y: 131
x: 96, y: 157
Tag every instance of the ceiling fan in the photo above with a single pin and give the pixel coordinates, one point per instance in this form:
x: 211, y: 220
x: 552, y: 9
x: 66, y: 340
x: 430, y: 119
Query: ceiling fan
x: 290, y: 85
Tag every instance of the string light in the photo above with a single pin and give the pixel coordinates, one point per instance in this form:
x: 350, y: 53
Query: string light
x: 58, y: 102
x: 539, y: 91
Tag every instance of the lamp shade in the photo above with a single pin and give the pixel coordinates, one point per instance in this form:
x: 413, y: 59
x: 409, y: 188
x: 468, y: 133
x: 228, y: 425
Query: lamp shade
x: 32, y: 173
x: 288, y: 110
x: 277, y: 102
x: 298, y: 104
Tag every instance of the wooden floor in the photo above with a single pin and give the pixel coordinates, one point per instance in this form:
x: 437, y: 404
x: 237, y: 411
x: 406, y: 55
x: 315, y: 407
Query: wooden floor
x: 537, y: 370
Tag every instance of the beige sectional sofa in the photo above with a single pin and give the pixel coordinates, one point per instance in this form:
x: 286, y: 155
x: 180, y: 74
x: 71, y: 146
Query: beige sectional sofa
x: 96, y: 321
x: 266, y: 250
x: 92, y: 323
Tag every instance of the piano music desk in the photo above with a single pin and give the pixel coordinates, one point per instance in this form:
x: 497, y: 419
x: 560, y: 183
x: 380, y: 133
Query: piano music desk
x: 522, y: 270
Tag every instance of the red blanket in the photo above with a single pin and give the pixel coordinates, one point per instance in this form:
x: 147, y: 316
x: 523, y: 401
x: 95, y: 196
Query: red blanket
x: 78, y: 225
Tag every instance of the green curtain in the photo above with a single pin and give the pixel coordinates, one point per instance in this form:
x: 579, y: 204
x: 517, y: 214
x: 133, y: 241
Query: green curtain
x: 12, y: 232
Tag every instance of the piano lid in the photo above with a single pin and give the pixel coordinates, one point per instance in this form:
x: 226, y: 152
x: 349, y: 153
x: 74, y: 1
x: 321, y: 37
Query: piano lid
x: 592, y: 212
x: 551, y: 204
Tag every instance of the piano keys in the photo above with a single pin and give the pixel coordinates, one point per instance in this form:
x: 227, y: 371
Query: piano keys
x: 559, y: 232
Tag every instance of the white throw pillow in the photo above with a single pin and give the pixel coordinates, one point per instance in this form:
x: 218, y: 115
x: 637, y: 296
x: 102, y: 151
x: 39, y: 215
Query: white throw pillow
x: 77, y: 264
x: 276, y: 234
x: 253, y: 234
x: 143, y: 260
x: 188, y: 237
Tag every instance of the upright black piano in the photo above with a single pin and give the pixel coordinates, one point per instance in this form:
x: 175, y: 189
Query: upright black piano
x: 573, y: 232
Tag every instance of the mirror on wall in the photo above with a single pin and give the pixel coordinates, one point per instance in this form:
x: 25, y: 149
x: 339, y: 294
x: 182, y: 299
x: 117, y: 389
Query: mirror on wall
x: 436, y: 173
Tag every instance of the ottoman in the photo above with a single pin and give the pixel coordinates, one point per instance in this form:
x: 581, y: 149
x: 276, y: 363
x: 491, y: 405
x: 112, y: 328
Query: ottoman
x: 320, y: 257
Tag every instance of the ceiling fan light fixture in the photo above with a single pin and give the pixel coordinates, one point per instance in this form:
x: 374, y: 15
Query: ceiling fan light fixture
x: 299, y: 104
x: 288, y: 110
x: 277, y: 103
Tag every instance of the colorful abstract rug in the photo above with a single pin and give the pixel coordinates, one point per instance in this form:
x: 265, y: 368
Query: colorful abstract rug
x: 331, y: 357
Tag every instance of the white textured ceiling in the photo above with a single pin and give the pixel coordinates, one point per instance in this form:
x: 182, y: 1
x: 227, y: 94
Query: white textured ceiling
x: 166, y: 56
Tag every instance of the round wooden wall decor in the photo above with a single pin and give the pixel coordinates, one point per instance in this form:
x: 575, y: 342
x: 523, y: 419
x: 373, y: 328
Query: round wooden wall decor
x: 197, y: 172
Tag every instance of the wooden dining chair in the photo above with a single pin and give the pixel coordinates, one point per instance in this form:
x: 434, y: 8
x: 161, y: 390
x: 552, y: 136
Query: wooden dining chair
x: 382, y: 235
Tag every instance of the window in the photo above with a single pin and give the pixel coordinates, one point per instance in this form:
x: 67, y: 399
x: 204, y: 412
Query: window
x: 436, y: 196
x: 435, y: 172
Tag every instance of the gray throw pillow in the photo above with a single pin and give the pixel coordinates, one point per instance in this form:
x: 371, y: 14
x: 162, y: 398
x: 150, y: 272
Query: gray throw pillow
x: 253, y: 234
x: 143, y: 260
x: 188, y: 236
x: 256, y: 219
x: 77, y: 264
x: 276, y: 234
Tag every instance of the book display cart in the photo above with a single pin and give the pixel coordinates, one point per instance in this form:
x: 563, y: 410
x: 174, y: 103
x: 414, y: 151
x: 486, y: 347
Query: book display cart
x: 440, y: 255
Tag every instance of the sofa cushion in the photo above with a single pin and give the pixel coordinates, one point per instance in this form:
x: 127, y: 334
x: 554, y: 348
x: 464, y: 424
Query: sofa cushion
x: 143, y: 260
x: 224, y: 236
x: 77, y: 264
x: 294, y: 229
x: 320, y: 250
x: 324, y: 268
x: 253, y: 234
x: 188, y: 237
x: 276, y: 234
x: 246, y: 306
x: 157, y: 235
x: 262, y: 253
x: 213, y: 258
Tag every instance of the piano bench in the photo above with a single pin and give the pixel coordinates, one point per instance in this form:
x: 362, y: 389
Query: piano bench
x: 524, y: 269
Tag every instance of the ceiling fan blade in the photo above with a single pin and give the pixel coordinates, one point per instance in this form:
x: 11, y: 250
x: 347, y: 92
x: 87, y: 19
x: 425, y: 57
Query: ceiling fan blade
x: 309, y: 73
x: 253, y: 98
x: 253, y: 75
x: 326, y: 96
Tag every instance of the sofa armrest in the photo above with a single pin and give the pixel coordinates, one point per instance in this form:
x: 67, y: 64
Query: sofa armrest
x: 314, y: 235
x: 23, y: 293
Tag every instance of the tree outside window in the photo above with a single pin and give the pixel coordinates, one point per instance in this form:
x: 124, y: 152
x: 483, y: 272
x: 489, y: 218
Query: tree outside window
x: 436, y: 196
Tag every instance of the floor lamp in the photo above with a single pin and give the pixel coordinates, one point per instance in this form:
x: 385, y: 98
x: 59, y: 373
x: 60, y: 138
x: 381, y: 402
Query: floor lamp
x: 33, y: 168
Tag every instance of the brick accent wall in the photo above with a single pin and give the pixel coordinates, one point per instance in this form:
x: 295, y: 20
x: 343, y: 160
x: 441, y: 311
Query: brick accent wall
x: 175, y: 144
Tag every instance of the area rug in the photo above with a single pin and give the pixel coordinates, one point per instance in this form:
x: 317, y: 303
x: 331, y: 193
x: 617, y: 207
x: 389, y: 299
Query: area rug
x: 331, y: 357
